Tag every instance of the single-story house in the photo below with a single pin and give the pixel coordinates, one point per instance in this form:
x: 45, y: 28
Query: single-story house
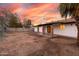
x: 65, y: 28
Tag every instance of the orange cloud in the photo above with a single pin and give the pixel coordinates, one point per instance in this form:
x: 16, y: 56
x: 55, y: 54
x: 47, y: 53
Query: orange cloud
x: 45, y: 10
x: 14, y: 7
x: 36, y: 11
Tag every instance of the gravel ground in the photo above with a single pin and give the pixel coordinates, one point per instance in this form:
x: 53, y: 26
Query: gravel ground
x: 31, y: 44
x: 20, y: 43
x: 59, y: 47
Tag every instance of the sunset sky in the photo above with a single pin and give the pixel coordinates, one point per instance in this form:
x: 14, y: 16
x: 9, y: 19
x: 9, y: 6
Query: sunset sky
x: 37, y: 12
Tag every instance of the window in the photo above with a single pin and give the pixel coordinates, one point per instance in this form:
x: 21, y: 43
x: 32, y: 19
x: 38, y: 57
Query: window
x: 62, y: 26
x: 49, y: 29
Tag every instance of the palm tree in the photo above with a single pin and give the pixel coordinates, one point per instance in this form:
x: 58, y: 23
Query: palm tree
x: 71, y: 9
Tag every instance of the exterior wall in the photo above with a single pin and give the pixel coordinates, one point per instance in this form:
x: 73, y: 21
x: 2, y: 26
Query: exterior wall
x: 69, y: 30
x: 45, y: 29
x: 35, y: 29
x: 41, y: 29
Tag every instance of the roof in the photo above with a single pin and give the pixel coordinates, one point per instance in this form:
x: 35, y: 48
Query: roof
x: 67, y: 21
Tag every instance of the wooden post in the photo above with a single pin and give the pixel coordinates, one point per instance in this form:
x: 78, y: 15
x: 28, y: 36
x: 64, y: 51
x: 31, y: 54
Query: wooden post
x: 33, y: 29
x: 52, y: 30
x: 46, y: 30
x: 43, y: 29
x: 38, y: 29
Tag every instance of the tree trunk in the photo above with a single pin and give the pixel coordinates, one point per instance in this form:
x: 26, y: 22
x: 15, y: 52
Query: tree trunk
x: 77, y: 24
x: 77, y: 34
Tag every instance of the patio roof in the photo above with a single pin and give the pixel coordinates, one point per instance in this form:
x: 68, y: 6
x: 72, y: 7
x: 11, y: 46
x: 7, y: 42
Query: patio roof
x: 67, y: 21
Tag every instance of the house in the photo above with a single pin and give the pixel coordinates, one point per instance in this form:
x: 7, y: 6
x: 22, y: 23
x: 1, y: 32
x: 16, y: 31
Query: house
x: 65, y: 28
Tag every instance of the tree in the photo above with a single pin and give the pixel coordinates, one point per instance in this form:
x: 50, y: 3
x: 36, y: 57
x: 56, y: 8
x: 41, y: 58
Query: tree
x: 2, y: 26
x: 13, y: 22
x: 5, y: 13
x: 27, y: 23
x: 71, y: 9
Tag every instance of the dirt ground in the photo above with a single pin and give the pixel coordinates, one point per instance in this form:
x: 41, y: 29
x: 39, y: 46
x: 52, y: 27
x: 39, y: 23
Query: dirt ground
x: 31, y: 44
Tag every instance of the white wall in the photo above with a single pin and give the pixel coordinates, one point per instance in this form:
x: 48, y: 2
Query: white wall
x: 69, y: 30
x: 35, y: 29
x: 46, y: 29
x: 40, y: 29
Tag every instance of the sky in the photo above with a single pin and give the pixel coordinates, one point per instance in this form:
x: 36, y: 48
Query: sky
x: 38, y: 13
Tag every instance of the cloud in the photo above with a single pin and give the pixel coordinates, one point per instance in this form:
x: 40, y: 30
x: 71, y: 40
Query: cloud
x: 34, y: 11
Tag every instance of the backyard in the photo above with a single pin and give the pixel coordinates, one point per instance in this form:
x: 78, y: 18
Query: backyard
x: 27, y: 43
